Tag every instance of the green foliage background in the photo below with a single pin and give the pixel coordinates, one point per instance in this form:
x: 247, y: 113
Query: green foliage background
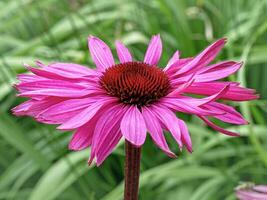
x: 35, y: 163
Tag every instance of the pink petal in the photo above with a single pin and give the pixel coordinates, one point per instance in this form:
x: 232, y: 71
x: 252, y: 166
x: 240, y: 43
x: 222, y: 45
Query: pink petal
x: 65, y: 110
x: 70, y: 71
x: 218, y: 71
x: 39, y: 63
x: 235, y: 93
x: 173, y: 59
x: 57, y: 88
x: 155, y: 130
x: 170, y: 121
x: 59, y: 93
x: 230, y: 116
x: 106, y: 149
x: 177, y: 65
x: 43, y: 73
x: 34, y: 107
x: 23, y: 108
x: 55, y: 71
x: 83, y: 136
x: 203, y: 101
x: 181, y: 87
x: 153, y: 52
x: 81, y: 118
x: 260, y: 188
x: 100, y: 53
x: 204, y: 58
x: 250, y: 195
x: 133, y: 126
x: 217, y: 128
x: 182, y: 105
x: 48, y: 84
x: 29, y: 78
x: 123, y: 53
x: 41, y: 105
x: 241, y: 196
x: 186, y: 139
x: 107, y: 133
x: 85, y: 115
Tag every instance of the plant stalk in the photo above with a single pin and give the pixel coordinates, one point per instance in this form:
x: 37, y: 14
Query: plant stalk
x: 131, y: 171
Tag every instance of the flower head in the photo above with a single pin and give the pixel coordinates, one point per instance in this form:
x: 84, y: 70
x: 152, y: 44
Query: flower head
x: 131, y: 98
x: 250, y: 191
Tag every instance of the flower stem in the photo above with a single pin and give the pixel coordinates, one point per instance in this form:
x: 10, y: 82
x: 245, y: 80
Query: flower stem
x: 132, y: 171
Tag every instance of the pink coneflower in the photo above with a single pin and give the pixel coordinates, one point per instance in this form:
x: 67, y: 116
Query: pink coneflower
x: 132, y: 98
x: 250, y: 191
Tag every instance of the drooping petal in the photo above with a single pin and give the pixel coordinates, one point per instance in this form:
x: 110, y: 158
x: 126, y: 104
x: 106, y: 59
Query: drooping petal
x: 44, y: 73
x: 85, y: 115
x: 107, y: 133
x: 235, y: 93
x: 83, y: 136
x: 181, y: 87
x: 206, y: 100
x: 173, y: 59
x: 204, y: 58
x: 181, y: 105
x: 133, y: 126
x: 25, y: 78
x: 251, y: 195
x: 123, y: 53
x: 81, y: 118
x: 217, y: 128
x: 56, y: 88
x: 59, y: 93
x: 155, y: 130
x: 177, y: 65
x: 170, y: 121
x: 101, y: 53
x: 48, y: 84
x: 153, y: 52
x: 260, y: 188
x: 230, y: 116
x: 39, y: 63
x: 218, y: 71
x: 108, y: 146
x: 70, y: 70
x: 186, y: 139
x: 63, y: 111
x: 58, y: 72
x: 34, y: 107
x: 23, y: 108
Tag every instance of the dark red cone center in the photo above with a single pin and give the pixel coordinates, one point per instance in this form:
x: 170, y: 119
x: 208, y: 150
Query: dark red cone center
x: 135, y: 83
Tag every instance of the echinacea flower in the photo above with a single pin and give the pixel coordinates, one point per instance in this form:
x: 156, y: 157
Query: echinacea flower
x: 131, y: 98
x: 250, y: 191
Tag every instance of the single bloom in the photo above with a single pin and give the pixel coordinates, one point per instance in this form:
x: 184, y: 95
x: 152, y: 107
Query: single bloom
x: 250, y: 191
x: 131, y: 98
